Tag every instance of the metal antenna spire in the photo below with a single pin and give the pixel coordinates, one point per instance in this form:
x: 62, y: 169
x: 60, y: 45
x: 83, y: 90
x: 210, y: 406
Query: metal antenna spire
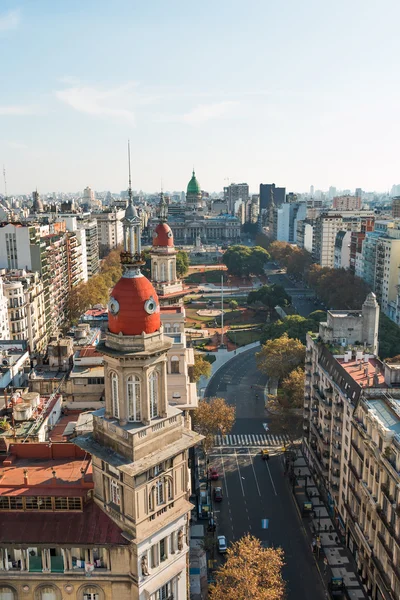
x: 5, y: 181
x: 130, y: 181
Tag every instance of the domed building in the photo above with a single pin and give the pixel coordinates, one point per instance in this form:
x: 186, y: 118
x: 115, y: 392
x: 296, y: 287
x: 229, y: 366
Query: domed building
x: 140, y: 442
x: 200, y: 219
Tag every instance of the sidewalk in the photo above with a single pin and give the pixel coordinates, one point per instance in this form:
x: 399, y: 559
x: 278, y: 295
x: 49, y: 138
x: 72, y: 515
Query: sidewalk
x: 321, y: 529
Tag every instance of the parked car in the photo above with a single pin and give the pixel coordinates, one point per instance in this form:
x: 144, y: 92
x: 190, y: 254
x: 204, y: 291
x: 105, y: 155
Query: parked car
x: 221, y: 541
x: 218, y: 494
x: 213, y: 474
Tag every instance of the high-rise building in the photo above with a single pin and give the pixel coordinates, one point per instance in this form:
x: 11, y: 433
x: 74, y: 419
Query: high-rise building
x: 4, y: 328
x: 109, y: 230
x: 26, y: 309
x: 346, y: 203
x: 396, y: 207
x: 270, y: 194
x: 234, y: 193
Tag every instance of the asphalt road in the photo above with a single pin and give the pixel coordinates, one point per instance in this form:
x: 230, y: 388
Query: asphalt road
x: 302, y: 298
x: 255, y: 490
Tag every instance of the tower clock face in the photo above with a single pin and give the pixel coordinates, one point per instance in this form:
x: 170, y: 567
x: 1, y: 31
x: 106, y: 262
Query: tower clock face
x: 113, y: 306
x: 169, y: 234
x: 150, y: 305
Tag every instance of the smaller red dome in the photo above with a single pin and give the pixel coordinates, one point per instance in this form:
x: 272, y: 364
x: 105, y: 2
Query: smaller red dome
x: 134, y: 307
x: 163, y: 236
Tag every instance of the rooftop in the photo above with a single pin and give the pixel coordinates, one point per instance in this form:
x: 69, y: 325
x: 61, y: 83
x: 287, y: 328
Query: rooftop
x: 363, y: 372
x: 31, y: 466
x: 91, y: 526
x: 87, y: 352
x: 384, y: 414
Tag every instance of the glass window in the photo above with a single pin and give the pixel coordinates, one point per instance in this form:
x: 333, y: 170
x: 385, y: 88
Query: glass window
x: 160, y: 492
x: 175, y: 365
x: 153, y: 392
x: 134, y: 399
x: 114, y: 492
x: 6, y: 593
x: 114, y: 395
x: 61, y: 503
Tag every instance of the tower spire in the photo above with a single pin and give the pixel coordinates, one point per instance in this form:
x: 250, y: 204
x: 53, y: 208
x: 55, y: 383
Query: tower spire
x: 130, y: 178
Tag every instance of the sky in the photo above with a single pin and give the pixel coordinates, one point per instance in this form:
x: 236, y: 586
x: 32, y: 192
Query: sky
x: 292, y: 93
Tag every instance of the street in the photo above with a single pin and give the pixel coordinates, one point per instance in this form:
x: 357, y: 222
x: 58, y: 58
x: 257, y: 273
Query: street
x: 255, y: 490
x: 302, y: 297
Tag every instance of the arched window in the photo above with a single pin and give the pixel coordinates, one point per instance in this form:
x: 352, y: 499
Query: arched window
x: 153, y: 393
x: 167, y: 327
x: 163, y: 275
x: 160, y: 495
x: 114, y: 395
x: 7, y: 593
x: 47, y: 592
x: 92, y: 592
x: 168, y: 486
x: 176, y: 327
x: 155, y: 271
x: 134, y: 399
x: 175, y: 365
x: 171, y: 271
x: 151, y: 498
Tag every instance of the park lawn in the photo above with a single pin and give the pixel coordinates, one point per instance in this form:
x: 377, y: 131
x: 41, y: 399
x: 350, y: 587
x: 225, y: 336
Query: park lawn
x: 242, y: 338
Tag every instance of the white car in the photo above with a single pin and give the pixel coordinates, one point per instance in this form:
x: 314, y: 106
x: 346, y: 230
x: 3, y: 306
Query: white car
x: 221, y: 541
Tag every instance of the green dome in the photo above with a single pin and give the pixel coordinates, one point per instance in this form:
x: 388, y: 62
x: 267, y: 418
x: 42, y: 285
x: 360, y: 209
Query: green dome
x: 193, y: 185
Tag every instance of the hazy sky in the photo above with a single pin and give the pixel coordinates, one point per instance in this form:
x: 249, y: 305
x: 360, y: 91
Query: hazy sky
x: 295, y: 93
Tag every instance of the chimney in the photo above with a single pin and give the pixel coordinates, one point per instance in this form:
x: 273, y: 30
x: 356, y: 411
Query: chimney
x: 54, y: 476
x: 83, y: 475
x: 26, y: 480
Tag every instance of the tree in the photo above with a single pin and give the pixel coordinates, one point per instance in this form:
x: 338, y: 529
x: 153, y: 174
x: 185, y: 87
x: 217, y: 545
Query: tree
x: 244, y: 261
x: 213, y: 416
x: 298, y: 262
x: 293, y: 388
x: 389, y: 337
x: 280, y: 251
x: 318, y: 316
x: 233, y: 304
x: 250, y: 572
x: 280, y: 356
x: 270, y: 296
x: 201, y: 367
x: 182, y: 263
x: 295, y: 326
x: 338, y: 288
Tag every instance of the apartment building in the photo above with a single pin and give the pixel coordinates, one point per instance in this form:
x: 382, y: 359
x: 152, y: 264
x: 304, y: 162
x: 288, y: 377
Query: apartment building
x: 373, y: 503
x: 340, y: 359
x: 352, y: 441
x: 4, y: 328
x: 26, y: 308
x: 346, y: 203
x: 109, y: 230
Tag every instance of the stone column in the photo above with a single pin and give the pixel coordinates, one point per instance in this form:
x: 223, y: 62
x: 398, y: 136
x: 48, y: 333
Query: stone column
x: 145, y: 397
x: 122, y: 398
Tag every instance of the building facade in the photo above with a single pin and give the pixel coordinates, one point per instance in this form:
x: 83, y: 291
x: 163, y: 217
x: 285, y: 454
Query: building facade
x: 236, y: 193
x: 346, y: 203
x: 109, y: 230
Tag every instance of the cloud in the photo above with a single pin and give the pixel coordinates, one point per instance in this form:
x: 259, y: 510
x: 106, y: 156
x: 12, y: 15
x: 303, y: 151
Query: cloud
x: 10, y: 20
x: 206, y: 112
x: 17, y: 110
x: 98, y: 103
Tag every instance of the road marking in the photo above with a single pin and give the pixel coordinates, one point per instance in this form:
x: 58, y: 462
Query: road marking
x: 254, y: 472
x: 240, y: 477
x: 270, y: 476
x: 223, y: 469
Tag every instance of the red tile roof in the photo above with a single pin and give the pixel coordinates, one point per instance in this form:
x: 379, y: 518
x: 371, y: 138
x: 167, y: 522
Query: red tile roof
x: 372, y: 367
x: 92, y: 526
x: 88, y: 352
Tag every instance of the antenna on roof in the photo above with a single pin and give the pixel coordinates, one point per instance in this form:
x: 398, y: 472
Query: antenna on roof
x: 5, y: 182
x: 130, y: 181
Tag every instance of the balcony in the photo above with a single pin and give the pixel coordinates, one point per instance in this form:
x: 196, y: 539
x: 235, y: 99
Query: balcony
x: 329, y: 391
x: 360, y: 427
x: 338, y: 418
x: 358, y: 451
x: 371, y: 498
x: 327, y: 417
x: 382, y: 540
x: 354, y: 471
x: 308, y: 375
x: 337, y: 434
x: 386, y: 490
x: 364, y: 539
x: 390, y: 465
x: 354, y: 492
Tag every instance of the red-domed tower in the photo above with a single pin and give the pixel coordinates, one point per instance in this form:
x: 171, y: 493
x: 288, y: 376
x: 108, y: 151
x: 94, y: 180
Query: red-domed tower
x: 163, y: 260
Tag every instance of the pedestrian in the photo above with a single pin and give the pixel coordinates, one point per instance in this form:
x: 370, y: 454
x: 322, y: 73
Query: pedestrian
x: 336, y: 540
x: 325, y: 564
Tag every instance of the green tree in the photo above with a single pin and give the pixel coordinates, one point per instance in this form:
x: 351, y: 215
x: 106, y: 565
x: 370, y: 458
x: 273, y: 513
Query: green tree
x: 146, y: 268
x: 201, y: 367
x: 213, y: 416
x: 233, y: 304
x: 280, y: 356
x: 244, y: 261
x: 182, y: 263
x: 270, y: 296
x: 318, y: 316
x: 389, y: 337
x: 295, y: 326
x: 250, y: 572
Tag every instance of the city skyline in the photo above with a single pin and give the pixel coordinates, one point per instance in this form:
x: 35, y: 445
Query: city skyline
x: 256, y: 94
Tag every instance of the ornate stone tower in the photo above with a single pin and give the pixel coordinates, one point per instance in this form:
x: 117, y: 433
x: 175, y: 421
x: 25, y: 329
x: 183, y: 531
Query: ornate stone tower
x: 370, y: 322
x: 163, y: 261
x: 139, y: 442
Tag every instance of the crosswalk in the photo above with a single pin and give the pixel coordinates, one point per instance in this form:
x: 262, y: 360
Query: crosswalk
x: 251, y: 439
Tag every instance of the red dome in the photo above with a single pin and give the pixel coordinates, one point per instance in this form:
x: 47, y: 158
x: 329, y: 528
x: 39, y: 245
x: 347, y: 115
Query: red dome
x: 134, y: 307
x: 163, y: 236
